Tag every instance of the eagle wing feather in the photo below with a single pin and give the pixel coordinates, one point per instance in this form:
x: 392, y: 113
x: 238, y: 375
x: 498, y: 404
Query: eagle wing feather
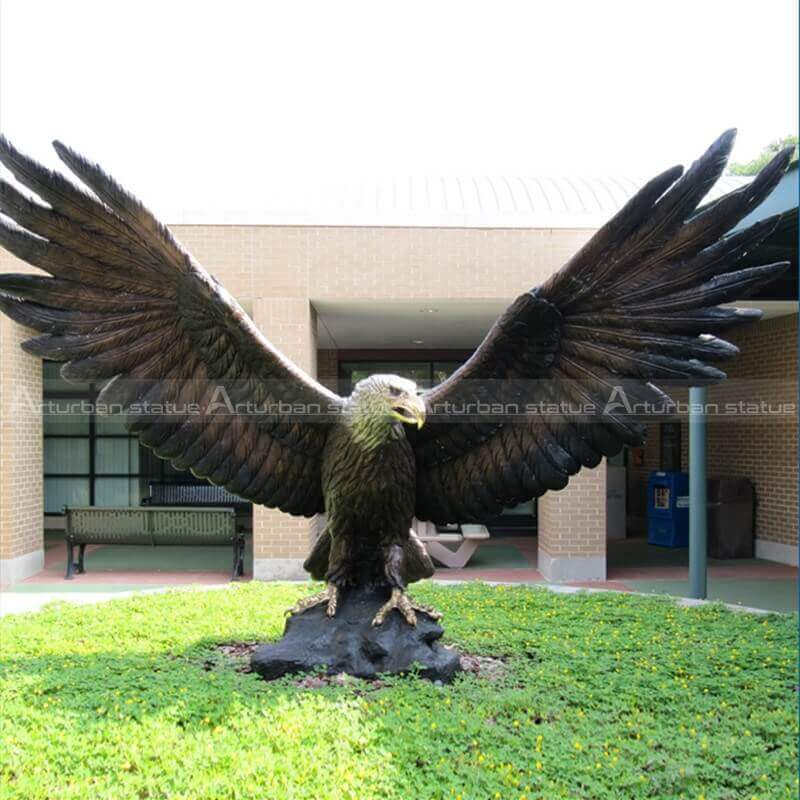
x: 638, y: 304
x: 124, y: 305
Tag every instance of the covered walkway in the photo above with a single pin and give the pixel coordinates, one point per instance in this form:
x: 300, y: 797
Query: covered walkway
x: 633, y: 565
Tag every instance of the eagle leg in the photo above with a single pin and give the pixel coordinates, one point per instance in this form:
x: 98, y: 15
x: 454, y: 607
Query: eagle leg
x: 406, y: 606
x: 329, y: 595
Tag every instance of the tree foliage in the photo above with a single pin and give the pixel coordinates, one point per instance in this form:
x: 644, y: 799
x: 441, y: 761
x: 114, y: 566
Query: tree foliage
x: 763, y: 158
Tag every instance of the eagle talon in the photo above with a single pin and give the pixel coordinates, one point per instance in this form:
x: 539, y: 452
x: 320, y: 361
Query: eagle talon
x: 429, y: 610
x: 329, y: 595
x: 402, y: 602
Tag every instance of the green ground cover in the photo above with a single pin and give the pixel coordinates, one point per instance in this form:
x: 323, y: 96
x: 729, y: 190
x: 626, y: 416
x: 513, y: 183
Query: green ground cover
x: 600, y: 696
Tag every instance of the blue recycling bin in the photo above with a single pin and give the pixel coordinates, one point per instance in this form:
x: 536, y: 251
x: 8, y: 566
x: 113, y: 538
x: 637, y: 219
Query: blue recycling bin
x: 668, y: 509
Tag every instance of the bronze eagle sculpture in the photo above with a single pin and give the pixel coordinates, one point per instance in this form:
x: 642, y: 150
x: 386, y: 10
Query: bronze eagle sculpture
x: 122, y: 303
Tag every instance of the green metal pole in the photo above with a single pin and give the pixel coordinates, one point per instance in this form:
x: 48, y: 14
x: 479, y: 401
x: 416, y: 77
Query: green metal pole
x: 698, y: 559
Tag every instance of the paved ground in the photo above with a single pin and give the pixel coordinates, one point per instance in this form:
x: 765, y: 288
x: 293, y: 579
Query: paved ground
x: 632, y: 566
x: 13, y: 602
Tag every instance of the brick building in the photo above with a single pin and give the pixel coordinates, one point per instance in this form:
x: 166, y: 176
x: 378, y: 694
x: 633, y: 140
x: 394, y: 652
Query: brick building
x: 409, y: 283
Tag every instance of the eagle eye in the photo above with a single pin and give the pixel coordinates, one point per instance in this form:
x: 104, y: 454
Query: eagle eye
x: 394, y: 391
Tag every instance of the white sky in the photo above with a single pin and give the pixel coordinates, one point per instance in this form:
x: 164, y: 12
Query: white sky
x: 216, y: 105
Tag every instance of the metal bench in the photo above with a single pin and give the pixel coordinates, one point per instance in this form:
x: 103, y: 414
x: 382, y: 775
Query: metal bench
x: 193, y: 494
x: 467, y: 537
x: 153, y: 526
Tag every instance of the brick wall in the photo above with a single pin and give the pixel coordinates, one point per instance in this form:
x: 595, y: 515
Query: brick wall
x: 573, y: 521
x: 290, y: 323
x: 328, y: 369
x: 21, y: 482
x: 762, y: 448
x: 637, y: 482
x: 378, y: 263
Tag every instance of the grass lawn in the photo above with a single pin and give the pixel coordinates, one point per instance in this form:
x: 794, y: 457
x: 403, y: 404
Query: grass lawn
x: 603, y: 696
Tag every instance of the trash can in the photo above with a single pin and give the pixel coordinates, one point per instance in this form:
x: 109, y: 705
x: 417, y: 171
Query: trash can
x: 730, y: 518
x: 668, y: 509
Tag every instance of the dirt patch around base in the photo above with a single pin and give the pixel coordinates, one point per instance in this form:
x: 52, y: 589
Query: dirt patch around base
x: 232, y: 654
x: 489, y: 668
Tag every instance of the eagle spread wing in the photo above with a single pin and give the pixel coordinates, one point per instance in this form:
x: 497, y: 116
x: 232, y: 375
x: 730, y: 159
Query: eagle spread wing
x: 125, y: 305
x: 638, y: 303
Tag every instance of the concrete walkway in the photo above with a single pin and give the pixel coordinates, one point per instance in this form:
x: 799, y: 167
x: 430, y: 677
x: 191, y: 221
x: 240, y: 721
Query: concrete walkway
x: 19, y: 603
x: 633, y: 566
x: 26, y: 602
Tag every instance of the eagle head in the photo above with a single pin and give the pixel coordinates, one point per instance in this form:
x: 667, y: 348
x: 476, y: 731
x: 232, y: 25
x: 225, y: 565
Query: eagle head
x: 380, y: 401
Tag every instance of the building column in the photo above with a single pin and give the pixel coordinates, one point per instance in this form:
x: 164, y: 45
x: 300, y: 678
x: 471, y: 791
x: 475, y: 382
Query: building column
x: 572, y: 529
x: 698, y: 485
x: 21, y: 468
x: 281, y: 541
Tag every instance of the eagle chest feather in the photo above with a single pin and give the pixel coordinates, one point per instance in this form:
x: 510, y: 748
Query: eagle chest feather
x: 368, y: 491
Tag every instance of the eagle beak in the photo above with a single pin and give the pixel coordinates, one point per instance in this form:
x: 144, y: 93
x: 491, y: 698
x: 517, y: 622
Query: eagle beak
x: 410, y: 410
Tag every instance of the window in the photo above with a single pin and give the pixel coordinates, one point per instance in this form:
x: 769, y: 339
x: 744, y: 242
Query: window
x: 88, y: 460
x: 92, y: 460
x: 424, y: 373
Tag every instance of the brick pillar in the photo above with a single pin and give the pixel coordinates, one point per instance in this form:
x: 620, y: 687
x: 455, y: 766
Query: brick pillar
x: 281, y: 541
x: 21, y: 482
x: 328, y: 369
x: 572, y: 529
